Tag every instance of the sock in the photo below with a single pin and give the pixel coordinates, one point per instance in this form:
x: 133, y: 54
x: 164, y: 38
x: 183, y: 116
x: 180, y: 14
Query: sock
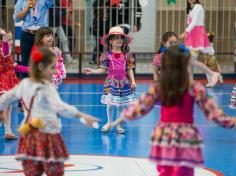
x: 110, y: 113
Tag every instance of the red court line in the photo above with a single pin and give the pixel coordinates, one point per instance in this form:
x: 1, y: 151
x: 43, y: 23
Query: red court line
x: 215, y: 172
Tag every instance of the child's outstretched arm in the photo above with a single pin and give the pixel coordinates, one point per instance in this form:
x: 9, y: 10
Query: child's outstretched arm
x: 21, y: 69
x: 100, y: 70
x: 212, y: 111
x: 140, y: 107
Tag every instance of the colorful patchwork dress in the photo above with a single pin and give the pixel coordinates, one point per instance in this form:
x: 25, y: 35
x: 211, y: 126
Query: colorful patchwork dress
x: 175, y: 140
x: 61, y: 71
x: 117, y: 89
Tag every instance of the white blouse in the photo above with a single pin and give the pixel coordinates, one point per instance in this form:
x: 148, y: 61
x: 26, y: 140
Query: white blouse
x: 196, y: 17
x: 47, y: 103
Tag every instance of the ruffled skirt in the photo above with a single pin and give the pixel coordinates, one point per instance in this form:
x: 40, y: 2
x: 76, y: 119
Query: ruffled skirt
x: 38, y: 146
x: 176, y: 144
x: 117, y: 92
x: 198, y: 40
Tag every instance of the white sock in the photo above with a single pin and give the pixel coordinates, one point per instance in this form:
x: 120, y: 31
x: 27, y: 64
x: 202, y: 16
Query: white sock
x: 118, y: 112
x: 110, y: 113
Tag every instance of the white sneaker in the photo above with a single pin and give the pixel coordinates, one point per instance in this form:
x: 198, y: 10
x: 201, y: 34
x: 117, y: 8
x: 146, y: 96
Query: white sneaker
x: 106, y: 127
x: 120, y: 130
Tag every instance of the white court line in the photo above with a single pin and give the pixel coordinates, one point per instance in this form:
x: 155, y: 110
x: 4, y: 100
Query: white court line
x: 97, y: 93
x: 103, y: 105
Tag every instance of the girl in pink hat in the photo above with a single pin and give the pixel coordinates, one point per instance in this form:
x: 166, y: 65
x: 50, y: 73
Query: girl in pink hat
x: 195, y: 38
x: 118, y: 62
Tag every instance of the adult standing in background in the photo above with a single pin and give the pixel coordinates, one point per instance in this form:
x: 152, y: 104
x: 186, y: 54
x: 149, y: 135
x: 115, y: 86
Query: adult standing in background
x: 34, y: 14
x: 67, y: 22
x: 108, y: 13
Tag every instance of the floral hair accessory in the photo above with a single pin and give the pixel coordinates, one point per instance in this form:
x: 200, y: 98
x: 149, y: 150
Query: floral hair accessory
x: 163, y: 49
x: 183, y: 48
x: 36, y: 56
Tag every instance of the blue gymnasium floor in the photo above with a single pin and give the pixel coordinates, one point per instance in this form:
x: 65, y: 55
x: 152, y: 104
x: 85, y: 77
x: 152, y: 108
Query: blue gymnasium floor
x: 219, y: 151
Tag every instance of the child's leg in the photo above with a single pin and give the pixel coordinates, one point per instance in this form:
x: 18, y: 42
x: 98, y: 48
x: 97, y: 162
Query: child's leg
x: 32, y: 168
x: 7, y: 123
x: 193, y: 61
x: 166, y: 170
x: 110, y: 114
x: 183, y: 170
x: 119, y: 127
x: 54, y: 169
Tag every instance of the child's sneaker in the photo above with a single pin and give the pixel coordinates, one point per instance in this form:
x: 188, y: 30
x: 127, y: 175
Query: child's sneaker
x: 120, y: 130
x: 10, y: 136
x: 106, y: 127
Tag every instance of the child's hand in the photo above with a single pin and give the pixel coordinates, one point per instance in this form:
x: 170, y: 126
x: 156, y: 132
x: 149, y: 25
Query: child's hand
x: 182, y: 36
x: 115, y: 123
x: 31, y: 3
x: 133, y: 86
x: 88, y: 71
x: 89, y: 120
x: 2, y: 32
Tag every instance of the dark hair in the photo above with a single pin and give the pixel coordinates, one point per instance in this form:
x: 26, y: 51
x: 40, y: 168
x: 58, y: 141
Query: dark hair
x: 165, y: 38
x: 211, y: 36
x: 48, y: 58
x: 124, y: 47
x: 174, y: 77
x: 189, y: 6
x: 40, y: 34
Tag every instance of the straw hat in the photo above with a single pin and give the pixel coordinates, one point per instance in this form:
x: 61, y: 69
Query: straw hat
x: 116, y: 30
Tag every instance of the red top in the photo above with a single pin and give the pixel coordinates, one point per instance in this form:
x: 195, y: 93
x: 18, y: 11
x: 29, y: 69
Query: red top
x: 179, y: 113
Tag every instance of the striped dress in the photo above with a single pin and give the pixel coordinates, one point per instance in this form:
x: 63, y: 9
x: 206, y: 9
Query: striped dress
x: 117, y: 89
x: 233, y: 98
x: 175, y: 140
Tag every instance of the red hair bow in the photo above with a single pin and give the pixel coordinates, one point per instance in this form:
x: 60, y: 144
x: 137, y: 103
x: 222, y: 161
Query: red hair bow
x: 37, y: 56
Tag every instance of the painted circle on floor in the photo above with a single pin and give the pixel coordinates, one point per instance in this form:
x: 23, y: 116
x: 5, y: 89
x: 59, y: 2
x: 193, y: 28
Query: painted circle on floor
x: 93, y: 165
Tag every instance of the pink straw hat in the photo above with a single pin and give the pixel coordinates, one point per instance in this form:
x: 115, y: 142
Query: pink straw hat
x: 116, y: 30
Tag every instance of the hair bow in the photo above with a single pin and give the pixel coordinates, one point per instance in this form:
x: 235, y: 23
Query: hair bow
x: 163, y: 49
x: 183, y: 48
x: 37, y: 56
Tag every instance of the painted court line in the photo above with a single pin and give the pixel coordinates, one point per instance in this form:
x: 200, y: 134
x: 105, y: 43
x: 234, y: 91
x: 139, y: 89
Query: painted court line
x: 94, y: 165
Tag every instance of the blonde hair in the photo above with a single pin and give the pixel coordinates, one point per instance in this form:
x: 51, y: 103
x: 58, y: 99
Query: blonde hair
x: 47, y: 58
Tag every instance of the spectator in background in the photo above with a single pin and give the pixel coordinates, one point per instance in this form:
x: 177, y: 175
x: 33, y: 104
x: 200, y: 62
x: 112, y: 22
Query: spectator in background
x: 67, y: 21
x: 34, y: 14
x: 57, y: 15
x: 108, y: 13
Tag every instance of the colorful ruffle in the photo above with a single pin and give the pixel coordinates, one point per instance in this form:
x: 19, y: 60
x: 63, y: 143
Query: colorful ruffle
x: 176, y: 144
x: 117, y: 92
x: 38, y: 146
x: 198, y: 40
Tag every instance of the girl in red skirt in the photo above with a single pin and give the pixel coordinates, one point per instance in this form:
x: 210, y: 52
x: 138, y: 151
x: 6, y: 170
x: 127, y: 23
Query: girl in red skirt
x: 8, y: 76
x: 176, y: 144
x: 41, y: 148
